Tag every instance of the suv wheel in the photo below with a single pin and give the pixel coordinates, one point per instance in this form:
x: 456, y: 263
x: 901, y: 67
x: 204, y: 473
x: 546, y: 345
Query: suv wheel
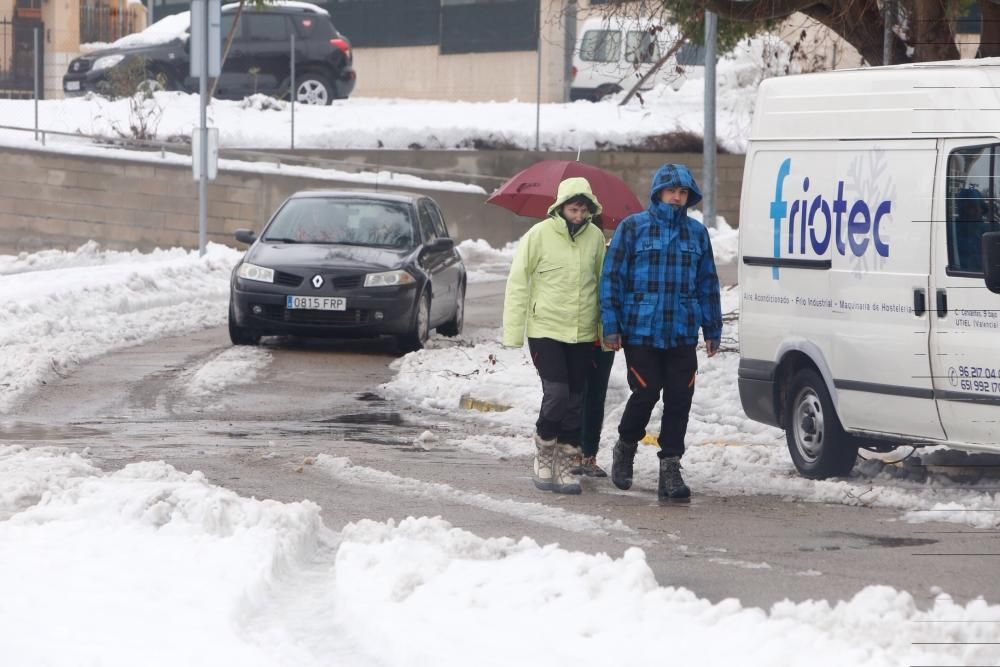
x: 313, y: 89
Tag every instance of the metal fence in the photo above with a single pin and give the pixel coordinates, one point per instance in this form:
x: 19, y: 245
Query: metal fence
x: 104, y: 23
x: 18, y: 67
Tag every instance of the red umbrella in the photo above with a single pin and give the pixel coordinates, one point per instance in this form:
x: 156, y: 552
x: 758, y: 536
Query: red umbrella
x: 532, y: 191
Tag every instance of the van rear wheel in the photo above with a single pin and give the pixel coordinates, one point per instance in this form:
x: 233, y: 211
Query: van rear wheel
x: 819, y: 446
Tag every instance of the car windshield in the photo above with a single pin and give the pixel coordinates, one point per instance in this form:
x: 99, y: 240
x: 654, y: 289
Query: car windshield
x: 343, y: 221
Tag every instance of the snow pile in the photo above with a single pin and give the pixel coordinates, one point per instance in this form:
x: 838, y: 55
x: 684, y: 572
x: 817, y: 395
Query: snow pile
x: 58, y: 309
x: 104, y: 567
x: 100, y: 568
x: 483, y: 263
x: 235, y: 366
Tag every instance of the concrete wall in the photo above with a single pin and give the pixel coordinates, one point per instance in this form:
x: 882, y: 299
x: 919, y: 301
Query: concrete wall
x: 61, y: 201
x: 636, y: 169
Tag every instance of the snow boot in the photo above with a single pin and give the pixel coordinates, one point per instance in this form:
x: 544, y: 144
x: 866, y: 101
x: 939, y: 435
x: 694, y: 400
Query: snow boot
x: 622, y: 458
x: 545, y: 451
x: 587, y: 466
x: 566, y: 459
x: 671, y: 486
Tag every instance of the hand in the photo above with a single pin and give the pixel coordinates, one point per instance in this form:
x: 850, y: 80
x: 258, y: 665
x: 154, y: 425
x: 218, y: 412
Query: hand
x: 711, y: 347
x: 613, y: 342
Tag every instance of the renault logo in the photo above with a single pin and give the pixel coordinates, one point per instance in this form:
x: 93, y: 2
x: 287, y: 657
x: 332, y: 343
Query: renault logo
x: 317, y: 281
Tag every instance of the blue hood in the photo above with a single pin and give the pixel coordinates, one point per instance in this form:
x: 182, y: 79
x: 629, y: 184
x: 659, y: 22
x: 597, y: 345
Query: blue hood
x: 674, y: 176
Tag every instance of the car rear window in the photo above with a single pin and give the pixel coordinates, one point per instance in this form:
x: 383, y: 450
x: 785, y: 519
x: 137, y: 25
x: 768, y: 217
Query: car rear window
x: 343, y: 221
x: 603, y: 46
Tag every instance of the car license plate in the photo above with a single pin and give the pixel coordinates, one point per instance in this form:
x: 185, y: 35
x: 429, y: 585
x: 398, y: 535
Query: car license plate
x: 72, y: 85
x: 316, y: 302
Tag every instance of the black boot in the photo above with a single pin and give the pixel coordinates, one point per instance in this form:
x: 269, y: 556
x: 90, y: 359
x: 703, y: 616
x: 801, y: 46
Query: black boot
x: 671, y: 486
x: 622, y: 458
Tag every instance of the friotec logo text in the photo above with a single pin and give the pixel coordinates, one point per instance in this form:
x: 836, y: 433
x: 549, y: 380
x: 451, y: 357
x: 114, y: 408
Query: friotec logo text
x: 817, y: 223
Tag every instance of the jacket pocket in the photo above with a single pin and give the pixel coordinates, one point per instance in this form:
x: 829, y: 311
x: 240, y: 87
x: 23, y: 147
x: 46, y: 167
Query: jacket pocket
x: 640, y: 314
x: 547, y: 269
x: 690, y: 256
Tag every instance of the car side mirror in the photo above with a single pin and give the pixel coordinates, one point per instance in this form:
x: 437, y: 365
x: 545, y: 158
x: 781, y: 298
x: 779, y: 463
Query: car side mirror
x: 245, y: 236
x: 991, y: 261
x: 442, y: 244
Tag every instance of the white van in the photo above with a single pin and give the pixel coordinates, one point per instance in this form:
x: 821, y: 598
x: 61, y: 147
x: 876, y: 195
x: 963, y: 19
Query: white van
x: 870, y: 261
x: 613, y: 53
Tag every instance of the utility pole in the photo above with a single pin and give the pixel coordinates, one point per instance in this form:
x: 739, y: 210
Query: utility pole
x: 708, y: 155
x: 569, y: 33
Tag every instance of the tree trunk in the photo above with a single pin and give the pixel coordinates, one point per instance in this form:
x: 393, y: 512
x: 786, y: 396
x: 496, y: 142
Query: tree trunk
x: 989, y: 31
x: 862, y: 25
x: 933, y: 36
x: 225, y: 51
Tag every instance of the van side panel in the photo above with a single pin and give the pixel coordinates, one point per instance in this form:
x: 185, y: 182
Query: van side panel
x: 834, y: 246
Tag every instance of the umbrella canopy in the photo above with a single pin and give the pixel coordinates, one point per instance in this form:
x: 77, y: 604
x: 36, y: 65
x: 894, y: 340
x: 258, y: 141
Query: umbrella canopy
x: 532, y: 191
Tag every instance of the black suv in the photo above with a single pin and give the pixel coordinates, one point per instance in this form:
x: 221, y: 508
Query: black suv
x: 259, y: 60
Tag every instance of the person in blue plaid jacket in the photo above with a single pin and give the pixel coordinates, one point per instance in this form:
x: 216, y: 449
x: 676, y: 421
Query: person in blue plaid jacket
x: 658, y: 287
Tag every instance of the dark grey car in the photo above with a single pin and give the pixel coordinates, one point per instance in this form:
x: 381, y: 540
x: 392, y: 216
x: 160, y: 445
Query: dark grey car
x: 349, y: 264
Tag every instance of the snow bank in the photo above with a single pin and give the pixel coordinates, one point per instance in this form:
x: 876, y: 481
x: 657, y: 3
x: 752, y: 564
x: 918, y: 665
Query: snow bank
x: 58, y: 309
x: 147, y: 565
x: 484, y: 263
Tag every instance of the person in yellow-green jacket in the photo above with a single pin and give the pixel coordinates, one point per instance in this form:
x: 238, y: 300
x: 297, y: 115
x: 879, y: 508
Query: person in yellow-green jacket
x: 552, y: 296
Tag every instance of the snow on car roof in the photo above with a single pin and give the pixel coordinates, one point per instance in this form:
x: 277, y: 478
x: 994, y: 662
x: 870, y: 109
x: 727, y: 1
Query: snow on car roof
x: 176, y: 26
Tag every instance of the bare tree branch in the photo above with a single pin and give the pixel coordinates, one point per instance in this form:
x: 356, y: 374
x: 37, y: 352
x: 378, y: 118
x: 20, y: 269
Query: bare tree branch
x: 653, y: 70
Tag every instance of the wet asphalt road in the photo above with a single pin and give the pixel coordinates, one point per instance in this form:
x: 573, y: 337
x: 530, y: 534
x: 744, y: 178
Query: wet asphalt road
x: 320, y: 398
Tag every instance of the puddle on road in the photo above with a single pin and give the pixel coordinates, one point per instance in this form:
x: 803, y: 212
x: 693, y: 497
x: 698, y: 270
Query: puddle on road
x: 380, y: 418
x: 26, y: 432
x: 861, y: 541
x: 371, y: 397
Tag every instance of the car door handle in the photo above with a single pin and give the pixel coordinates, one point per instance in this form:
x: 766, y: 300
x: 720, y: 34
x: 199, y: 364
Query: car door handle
x: 942, y: 303
x: 919, y: 302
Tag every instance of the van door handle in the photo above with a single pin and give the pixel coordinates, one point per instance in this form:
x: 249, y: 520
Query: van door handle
x: 919, y: 302
x: 942, y: 303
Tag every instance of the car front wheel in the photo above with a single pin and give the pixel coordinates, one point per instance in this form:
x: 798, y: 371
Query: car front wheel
x: 453, y: 327
x: 241, y: 335
x: 819, y: 446
x: 420, y: 330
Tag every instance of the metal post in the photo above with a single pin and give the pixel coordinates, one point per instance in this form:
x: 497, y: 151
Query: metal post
x: 291, y: 92
x: 708, y: 156
x: 203, y: 132
x: 538, y: 82
x: 569, y: 35
x: 35, y: 68
x: 150, y: 15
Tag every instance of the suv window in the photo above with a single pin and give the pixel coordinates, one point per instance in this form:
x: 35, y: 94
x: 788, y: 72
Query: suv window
x: 266, y: 27
x: 426, y: 221
x: 641, y: 47
x: 602, y: 46
x: 972, y: 208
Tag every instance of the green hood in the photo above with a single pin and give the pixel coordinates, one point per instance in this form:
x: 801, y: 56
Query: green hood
x: 571, y: 187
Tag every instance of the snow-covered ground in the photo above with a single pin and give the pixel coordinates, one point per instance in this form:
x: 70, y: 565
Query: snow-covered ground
x: 366, y: 123
x: 148, y: 565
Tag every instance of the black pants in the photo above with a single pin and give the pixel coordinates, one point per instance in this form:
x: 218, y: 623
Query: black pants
x: 563, y: 369
x: 594, y: 395
x: 650, y: 371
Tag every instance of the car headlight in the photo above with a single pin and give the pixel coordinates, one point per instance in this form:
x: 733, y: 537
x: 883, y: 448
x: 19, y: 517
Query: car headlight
x: 389, y: 279
x: 249, y: 271
x: 107, y: 62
